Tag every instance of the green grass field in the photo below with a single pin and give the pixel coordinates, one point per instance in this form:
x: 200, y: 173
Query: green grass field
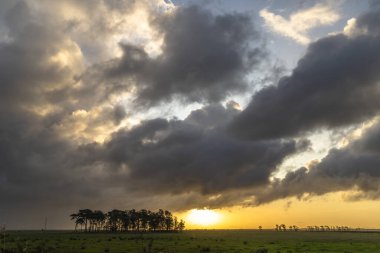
x: 233, y: 241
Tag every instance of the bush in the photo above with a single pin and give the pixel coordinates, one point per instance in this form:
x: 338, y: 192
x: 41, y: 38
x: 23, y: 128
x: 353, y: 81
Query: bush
x: 205, y: 249
x: 263, y: 250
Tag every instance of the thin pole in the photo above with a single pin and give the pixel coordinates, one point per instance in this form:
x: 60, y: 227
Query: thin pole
x: 3, y: 228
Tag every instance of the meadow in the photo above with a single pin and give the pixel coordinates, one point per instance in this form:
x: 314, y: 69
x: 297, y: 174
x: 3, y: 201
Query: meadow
x: 191, y: 241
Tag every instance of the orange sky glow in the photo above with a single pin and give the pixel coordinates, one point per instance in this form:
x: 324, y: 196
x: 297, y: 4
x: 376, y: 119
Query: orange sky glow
x: 327, y: 210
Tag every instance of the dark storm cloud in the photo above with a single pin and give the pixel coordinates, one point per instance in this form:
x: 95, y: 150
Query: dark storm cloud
x: 48, y: 108
x: 335, y: 84
x: 196, y: 154
x: 353, y: 167
x: 205, y: 57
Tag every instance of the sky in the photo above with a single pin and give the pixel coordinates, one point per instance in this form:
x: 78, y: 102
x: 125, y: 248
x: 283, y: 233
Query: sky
x: 265, y: 111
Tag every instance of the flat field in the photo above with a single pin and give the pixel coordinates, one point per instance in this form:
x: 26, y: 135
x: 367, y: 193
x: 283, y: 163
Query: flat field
x: 231, y: 241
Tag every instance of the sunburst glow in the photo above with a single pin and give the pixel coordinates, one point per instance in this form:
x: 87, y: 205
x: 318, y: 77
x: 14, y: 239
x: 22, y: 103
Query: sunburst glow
x: 203, y: 217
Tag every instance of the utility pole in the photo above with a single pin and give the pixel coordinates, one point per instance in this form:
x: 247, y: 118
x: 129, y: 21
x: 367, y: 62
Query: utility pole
x: 3, y: 230
x: 45, y: 223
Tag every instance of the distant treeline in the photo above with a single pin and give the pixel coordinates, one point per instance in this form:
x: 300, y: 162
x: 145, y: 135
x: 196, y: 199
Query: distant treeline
x: 129, y: 220
x: 283, y: 227
x: 330, y: 228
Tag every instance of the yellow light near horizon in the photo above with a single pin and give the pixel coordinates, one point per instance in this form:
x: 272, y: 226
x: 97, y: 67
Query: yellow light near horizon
x: 203, y: 217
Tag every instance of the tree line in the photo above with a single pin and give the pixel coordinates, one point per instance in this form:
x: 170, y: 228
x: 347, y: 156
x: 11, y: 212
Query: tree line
x: 283, y: 227
x: 129, y: 220
x: 329, y: 228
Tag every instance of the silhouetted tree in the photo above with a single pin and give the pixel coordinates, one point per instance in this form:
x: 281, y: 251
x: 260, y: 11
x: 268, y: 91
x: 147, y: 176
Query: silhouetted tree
x: 134, y: 218
x: 169, y: 222
x: 114, y: 219
x: 144, y: 219
x: 181, y: 225
x: 78, y: 220
x: 154, y: 221
x: 82, y: 217
x: 125, y: 220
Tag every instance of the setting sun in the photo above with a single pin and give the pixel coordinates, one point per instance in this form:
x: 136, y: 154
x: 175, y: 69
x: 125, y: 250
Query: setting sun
x: 203, y: 217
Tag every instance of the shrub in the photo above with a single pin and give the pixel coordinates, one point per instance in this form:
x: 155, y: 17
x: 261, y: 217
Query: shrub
x: 263, y: 250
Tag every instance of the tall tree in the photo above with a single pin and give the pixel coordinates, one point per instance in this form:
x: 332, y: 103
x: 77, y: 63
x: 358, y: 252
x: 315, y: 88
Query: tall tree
x: 168, y: 220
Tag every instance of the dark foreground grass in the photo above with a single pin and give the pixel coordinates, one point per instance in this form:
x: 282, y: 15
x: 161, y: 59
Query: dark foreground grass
x: 231, y: 241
